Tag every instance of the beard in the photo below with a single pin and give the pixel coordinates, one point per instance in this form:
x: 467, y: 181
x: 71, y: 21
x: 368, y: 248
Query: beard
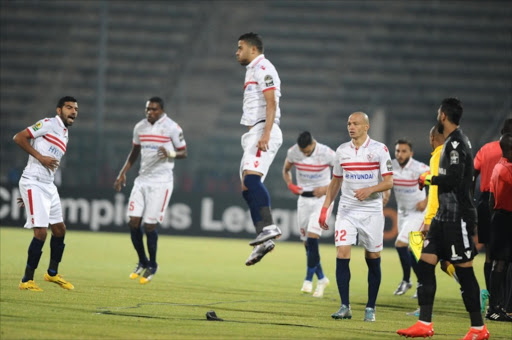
x: 440, y: 127
x: 404, y: 163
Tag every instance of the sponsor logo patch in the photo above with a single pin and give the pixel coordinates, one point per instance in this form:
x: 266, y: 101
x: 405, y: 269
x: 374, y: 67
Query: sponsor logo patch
x: 389, y: 165
x: 269, y: 81
x: 455, y: 144
x: 454, y: 157
x: 37, y: 126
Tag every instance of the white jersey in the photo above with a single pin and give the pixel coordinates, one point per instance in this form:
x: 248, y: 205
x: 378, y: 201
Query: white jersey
x: 50, y: 138
x: 260, y: 76
x: 164, y: 132
x: 361, y: 168
x: 312, y: 171
x: 405, y: 184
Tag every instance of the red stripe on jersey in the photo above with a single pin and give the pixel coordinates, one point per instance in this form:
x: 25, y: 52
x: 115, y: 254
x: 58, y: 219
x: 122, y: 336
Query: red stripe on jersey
x: 405, y: 182
x: 317, y: 169
x: 54, y: 140
x: 350, y: 168
x: 311, y: 165
x: 30, y: 204
x: 182, y: 148
x: 338, y: 176
x: 165, y: 199
x: 388, y: 174
x: 269, y: 88
x: 154, y: 140
x: 250, y: 82
x: 30, y: 133
x: 359, y: 163
x: 167, y: 138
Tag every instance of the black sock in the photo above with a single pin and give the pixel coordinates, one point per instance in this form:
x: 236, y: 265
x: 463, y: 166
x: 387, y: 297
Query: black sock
x: 343, y: 279
x: 136, y: 234
x: 152, y: 240
x: 34, y: 255
x: 470, y: 294
x: 487, y: 275
x: 405, y: 260
x: 374, y: 278
x: 496, y: 297
x: 427, y: 286
x: 56, y: 250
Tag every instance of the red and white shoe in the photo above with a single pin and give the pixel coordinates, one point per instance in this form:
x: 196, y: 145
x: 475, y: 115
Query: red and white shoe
x: 477, y: 334
x: 418, y: 330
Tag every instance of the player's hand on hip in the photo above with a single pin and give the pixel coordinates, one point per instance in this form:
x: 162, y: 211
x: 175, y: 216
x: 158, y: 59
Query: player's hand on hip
x: 20, y: 202
x: 263, y: 143
x: 295, y: 188
x: 120, y: 182
x: 322, y: 220
x: 164, y: 153
x: 424, y: 179
x: 49, y: 163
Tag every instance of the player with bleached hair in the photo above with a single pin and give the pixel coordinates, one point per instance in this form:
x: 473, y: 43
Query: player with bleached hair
x: 46, y: 143
x: 159, y: 140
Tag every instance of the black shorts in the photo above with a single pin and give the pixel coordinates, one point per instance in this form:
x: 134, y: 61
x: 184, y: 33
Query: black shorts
x: 450, y: 241
x: 500, y: 244
x: 484, y: 218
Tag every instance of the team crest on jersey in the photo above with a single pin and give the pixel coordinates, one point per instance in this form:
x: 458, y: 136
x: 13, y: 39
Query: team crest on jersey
x: 37, y: 126
x: 454, y: 157
x: 256, y: 164
x: 369, y: 156
x: 389, y: 165
x: 269, y: 81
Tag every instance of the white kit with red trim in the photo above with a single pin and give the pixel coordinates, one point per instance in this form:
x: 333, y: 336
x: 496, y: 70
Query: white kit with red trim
x: 164, y: 132
x: 50, y: 138
x: 312, y: 171
x: 361, y: 168
x: 261, y: 76
x: 405, y: 184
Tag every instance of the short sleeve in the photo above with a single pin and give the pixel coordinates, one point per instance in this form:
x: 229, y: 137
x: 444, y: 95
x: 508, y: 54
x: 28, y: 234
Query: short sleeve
x: 40, y: 128
x: 266, y: 78
x: 478, y: 160
x: 386, y: 166
x: 177, y: 137
x: 136, y: 137
x: 337, y: 170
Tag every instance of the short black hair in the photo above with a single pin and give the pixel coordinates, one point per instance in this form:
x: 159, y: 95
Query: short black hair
x: 253, y: 39
x: 507, y: 126
x: 452, y: 108
x: 157, y: 100
x: 304, y: 139
x: 404, y: 141
x: 65, y: 99
x: 506, y: 143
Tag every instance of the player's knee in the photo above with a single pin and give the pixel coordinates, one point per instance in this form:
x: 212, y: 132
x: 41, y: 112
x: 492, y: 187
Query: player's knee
x: 134, y: 223
x: 40, y: 233
x: 498, y: 266
x: 149, y: 227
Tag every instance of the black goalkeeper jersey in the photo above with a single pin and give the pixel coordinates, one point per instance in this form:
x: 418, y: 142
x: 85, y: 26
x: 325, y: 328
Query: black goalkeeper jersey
x: 455, y: 180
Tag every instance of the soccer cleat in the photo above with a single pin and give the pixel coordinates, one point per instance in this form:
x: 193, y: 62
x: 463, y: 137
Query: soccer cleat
x: 58, y: 279
x: 497, y: 314
x: 137, y: 271
x: 477, y: 334
x: 403, y: 287
x: 307, y: 287
x: 484, y: 296
x: 259, y: 251
x: 320, y: 287
x: 414, y: 313
x: 148, y: 274
x: 269, y: 233
x: 30, y: 285
x: 343, y: 313
x: 418, y: 330
x: 369, y: 314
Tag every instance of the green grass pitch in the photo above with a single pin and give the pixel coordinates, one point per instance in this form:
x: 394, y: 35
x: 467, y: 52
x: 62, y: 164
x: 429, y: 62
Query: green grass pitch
x: 200, y: 274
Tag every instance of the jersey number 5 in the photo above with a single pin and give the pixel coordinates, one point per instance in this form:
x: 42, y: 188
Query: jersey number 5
x: 132, y: 206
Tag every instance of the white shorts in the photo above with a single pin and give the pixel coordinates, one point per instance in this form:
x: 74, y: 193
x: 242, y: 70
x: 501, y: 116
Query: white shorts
x: 308, y: 212
x: 408, y: 221
x: 42, y: 203
x: 149, y: 200
x: 254, y: 159
x: 367, y: 227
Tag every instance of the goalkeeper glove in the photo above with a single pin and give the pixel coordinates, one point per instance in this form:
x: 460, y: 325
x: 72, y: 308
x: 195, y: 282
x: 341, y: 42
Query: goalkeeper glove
x: 424, y: 179
x: 295, y: 188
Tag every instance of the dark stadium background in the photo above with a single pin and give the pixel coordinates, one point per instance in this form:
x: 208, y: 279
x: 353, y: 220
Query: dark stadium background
x: 395, y: 60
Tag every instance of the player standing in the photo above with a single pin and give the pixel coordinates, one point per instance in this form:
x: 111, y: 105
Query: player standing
x: 411, y: 202
x: 451, y: 230
x: 159, y: 140
x: 46, y: 143
x: 363, y: 170
x: 313, y: 162
x: 261, y: 114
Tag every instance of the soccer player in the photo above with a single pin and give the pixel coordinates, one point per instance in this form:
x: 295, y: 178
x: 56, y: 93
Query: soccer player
x: 485, y: 160
x: 451, y: 230
x: 411, y: 202
x: 313, y: 162
x: 363, y: 170
x: 500, y: 203
x: 159, y: 140
x: 46, y: 143
x: 261, y: 115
